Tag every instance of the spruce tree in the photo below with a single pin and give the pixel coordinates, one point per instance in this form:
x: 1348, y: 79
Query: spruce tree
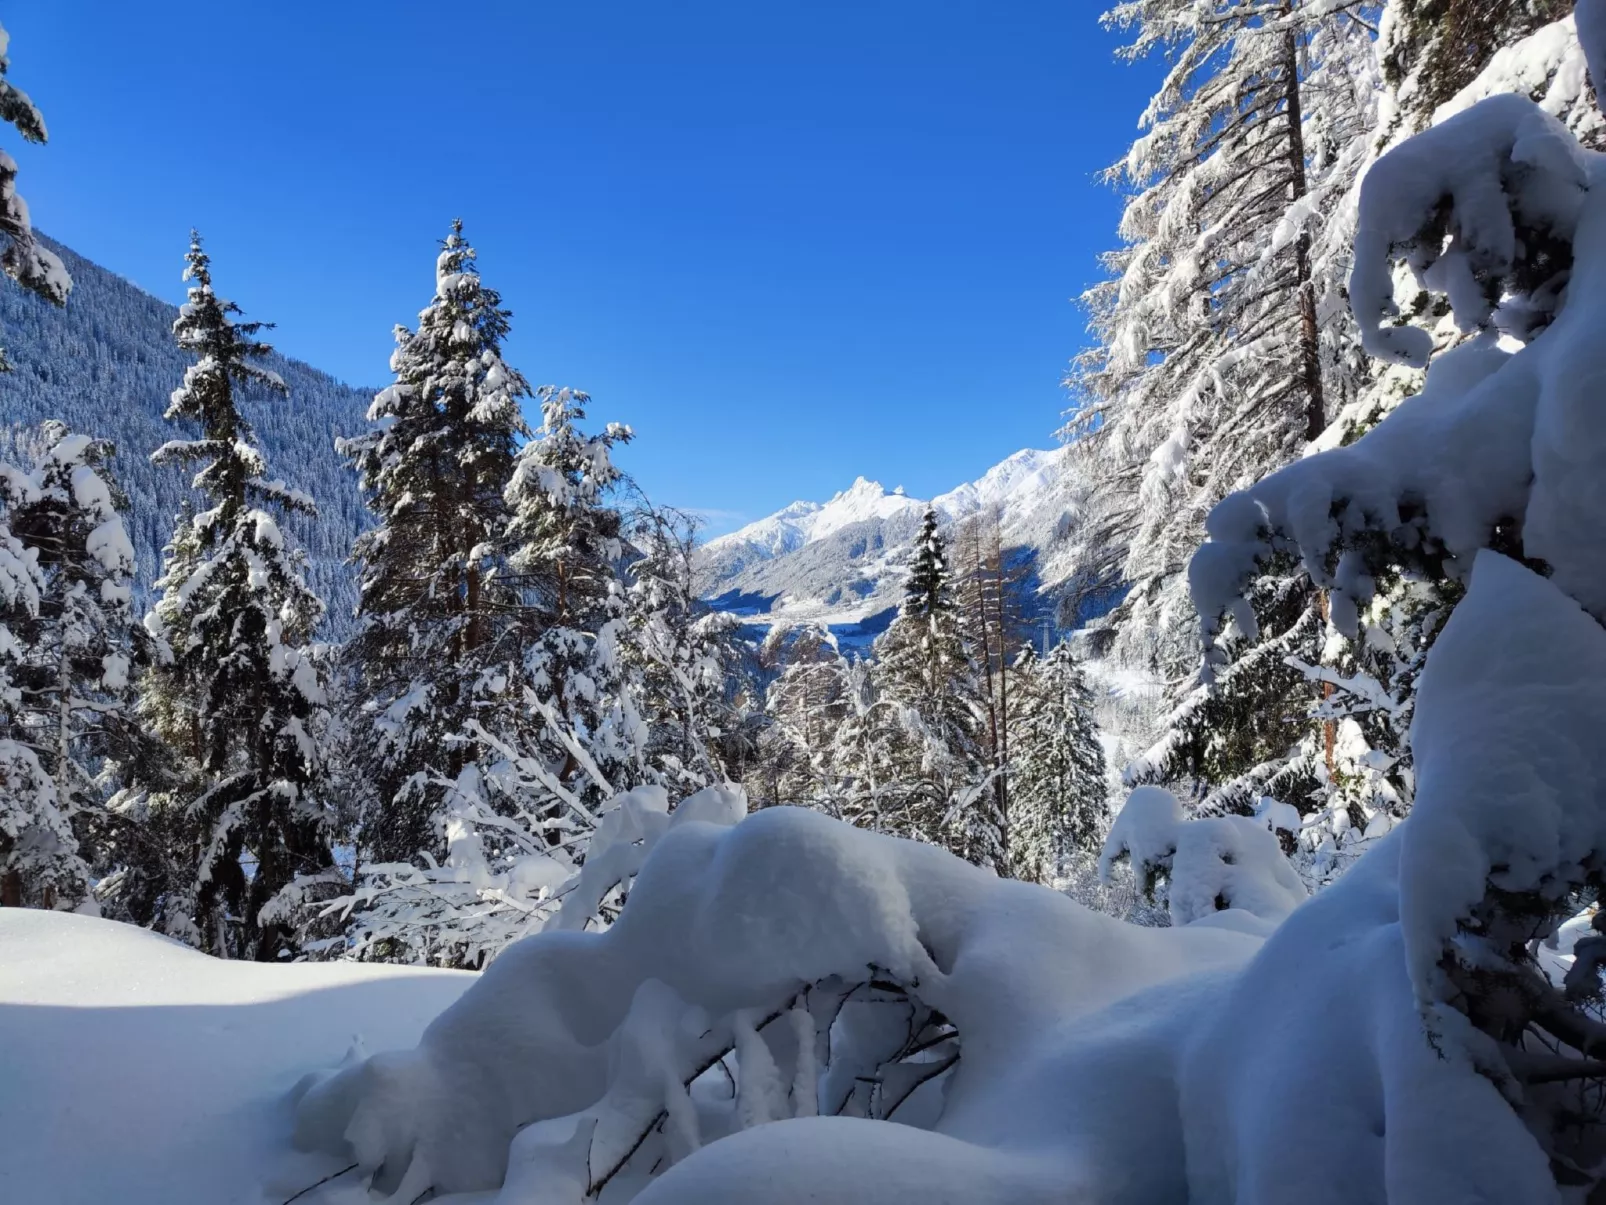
x: 237, y: 694
x: 435, y: 646
x: 22, y: 257
x: 39, y: 860
x: 583, y: 720
x: 1058, y: 797
x: 82, y: 644
x: 925, y: 669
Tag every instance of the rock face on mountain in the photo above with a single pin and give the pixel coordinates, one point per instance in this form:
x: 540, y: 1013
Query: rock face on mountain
x: 843, y: 562
x: 105, y: 365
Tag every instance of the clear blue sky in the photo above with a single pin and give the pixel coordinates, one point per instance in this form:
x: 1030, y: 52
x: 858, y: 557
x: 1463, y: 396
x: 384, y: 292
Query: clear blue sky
x: 788, y: 242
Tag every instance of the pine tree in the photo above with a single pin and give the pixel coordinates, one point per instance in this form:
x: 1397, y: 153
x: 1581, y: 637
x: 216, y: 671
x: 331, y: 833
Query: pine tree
x: 925, y: 669
x: 22, y: 257
x: 1059, y: 798
x: 434, y: 648
x: 238, y: 695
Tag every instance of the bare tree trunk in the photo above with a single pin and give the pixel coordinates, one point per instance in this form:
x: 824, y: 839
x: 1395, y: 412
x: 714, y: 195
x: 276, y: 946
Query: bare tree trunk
x: 1329, y: 725
x: 1001, y: 626
x: 1309, y: 345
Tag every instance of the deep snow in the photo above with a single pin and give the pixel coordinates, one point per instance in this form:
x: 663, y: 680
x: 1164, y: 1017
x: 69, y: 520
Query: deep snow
x: 138, y: 1071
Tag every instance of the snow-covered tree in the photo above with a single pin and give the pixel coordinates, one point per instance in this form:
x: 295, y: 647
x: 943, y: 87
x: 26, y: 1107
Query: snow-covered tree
x: 1221, y: 345
x: 992, y: 597
x: 434, y: 648
x: 237, y: 695
x: 683, y: 659
x: 1058, y: 792
x: 1433, y: 49
x: 566, y: 558
x: 1476, y: 481
x: 22, y: 257
x: 39, y: 860
x: 806, y: 702
x: 1302, y: 713
x: 81, y: 645
x: 925, y: 669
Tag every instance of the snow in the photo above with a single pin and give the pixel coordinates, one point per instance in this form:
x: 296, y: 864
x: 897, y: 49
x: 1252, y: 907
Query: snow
x: 1012, y: 482
x: 724, y: 921
x: 1482, y: 816
x: 136, y: 1070
x: 843, y: 561
x: 1214, y: 865
x: 1118, y: 1063
x: 1470, y: 159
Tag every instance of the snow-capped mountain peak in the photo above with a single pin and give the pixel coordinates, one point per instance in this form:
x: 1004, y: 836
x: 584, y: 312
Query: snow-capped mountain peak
x: 844, y: 560
x: 1008, y: 484
x: 806, y: 522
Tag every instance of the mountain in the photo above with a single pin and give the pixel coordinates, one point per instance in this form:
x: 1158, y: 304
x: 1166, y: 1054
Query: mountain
x: 843, y: 562
x: 105, y: 365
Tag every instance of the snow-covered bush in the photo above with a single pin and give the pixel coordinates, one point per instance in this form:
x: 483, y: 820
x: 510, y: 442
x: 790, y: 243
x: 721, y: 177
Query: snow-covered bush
x: 1214, y: 864
x: 467, y: 909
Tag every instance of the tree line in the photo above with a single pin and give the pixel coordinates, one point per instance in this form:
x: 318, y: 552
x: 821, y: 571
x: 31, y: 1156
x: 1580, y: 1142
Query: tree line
x: 528, y: 649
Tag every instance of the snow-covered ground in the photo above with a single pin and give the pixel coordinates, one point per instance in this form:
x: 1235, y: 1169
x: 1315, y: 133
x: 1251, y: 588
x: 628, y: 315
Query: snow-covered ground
x: 135, y: 1070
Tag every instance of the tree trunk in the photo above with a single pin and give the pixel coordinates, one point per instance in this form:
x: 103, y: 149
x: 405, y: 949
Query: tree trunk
x: 1003, y: 692
x: 1309, y: 346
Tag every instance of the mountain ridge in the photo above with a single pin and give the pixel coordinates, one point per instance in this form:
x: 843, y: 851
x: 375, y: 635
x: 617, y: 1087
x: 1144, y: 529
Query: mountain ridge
x: 841, y: 563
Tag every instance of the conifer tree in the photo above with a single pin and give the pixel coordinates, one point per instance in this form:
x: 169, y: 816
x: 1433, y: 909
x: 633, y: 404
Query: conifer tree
x: 683, y: 659
x: 990, y: 594
x: 865, y: 760
x: 82, y: 643
x: 806, y: 702
x: 926, y: 670
x: 22, y: 257
x: 1221, y: 336
x: 1058, y: 800
x: 583, y: 725
x: 1431, y: 49
x: 237, y: 694
x: 435, y: 647
x: 39, y: 860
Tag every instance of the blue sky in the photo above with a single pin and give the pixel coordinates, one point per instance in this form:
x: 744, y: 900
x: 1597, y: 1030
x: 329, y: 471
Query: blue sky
x: 788, y: 242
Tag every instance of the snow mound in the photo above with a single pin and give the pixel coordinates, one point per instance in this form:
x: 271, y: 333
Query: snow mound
x: 135, y: 1069
x: 1213, y: 865
x: 775, y: 990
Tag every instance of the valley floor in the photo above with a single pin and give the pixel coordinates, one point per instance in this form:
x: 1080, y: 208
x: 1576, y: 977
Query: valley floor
x: 138, y: 1071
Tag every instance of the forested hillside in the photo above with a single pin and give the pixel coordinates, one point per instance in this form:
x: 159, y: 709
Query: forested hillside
x: 106, y: 364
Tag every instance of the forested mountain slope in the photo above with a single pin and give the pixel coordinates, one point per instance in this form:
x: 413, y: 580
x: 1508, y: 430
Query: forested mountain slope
x: 105, y: 365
